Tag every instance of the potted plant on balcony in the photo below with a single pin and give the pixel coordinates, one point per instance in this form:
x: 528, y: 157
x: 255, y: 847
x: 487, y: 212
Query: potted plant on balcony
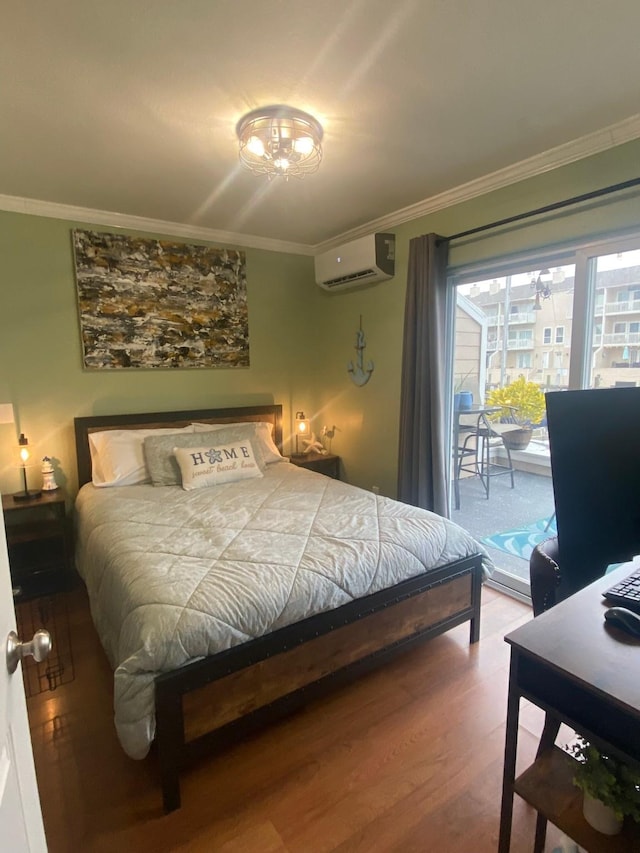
x: 521, y: 403
x: 611, y: 788
x: 462, y: 398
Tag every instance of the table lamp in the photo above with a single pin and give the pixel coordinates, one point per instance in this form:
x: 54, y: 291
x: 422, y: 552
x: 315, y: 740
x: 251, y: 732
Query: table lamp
x: 303, y: 430
x: 25, y: 455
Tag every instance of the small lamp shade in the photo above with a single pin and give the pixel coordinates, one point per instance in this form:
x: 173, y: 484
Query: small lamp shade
x: 303, y: 432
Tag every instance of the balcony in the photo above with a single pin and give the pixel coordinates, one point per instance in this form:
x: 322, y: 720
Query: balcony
x: 621, y: 339
x: 627, y: 306
x: 519, y: 319
x: 520, y: 343
x: 522, y: 317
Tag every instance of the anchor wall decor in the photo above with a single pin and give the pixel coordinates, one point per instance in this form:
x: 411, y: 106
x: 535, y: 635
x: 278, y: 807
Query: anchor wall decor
x: 359, y: 374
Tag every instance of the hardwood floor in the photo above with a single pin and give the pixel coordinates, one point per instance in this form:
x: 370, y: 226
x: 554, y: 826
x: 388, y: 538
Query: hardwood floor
x: 407, y: 759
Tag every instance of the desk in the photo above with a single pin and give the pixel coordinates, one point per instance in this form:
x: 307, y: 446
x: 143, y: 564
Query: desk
x: 567, y: 662
x: 474, y: 412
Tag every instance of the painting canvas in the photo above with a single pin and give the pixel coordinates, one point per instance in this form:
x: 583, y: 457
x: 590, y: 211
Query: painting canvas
x: 154, y: 303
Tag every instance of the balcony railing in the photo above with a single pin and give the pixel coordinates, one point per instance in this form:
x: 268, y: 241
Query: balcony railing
x: 514, y: 319
x: 627, y: 306
x: 522, y: 317
x: 512, y: 344
x: 621, y: 339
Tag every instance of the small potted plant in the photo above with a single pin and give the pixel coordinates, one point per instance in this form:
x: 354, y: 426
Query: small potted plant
x: 462, y: 398
x: 521, y: 403
x: 611, y: 788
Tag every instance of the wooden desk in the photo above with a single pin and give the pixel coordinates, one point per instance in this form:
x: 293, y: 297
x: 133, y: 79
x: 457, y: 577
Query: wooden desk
x: 568, y: 663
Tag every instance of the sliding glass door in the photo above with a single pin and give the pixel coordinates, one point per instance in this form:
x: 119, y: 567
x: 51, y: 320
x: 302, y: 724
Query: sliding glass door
x: 546, y: 323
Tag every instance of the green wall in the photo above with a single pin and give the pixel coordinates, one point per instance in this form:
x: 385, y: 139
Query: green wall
x: 41, y: 358
x: 301, y: 337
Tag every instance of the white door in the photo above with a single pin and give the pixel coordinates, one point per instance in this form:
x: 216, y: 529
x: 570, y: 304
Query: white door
x: 21, y: 828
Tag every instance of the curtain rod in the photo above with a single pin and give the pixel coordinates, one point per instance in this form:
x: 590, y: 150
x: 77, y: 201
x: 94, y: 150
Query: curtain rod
x: 546, y: 209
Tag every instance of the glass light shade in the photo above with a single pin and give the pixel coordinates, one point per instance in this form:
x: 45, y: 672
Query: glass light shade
x: 304, y: 145
x: 302, y: 430
x: 280, y: 140
x: 24, y: 451
x: 24, y: 454
x: 255, y: 146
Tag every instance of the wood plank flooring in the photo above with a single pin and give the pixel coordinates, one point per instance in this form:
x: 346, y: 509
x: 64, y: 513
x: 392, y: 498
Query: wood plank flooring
x: 407, y: 759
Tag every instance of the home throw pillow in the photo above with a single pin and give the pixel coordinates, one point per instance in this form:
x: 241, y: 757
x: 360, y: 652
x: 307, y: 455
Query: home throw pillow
x: 162, y: 464
x: 214, y: 465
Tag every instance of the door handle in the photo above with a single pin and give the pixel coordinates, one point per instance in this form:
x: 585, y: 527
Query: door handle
x: 39, y: 647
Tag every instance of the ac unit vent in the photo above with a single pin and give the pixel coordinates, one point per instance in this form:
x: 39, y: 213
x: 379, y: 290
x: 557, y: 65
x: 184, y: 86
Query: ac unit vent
x: 363, y: 261
x: 345, y: 279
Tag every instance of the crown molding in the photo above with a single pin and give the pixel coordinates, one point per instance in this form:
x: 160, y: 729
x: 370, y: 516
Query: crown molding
x: 570, y: 152
x: 35, y: 207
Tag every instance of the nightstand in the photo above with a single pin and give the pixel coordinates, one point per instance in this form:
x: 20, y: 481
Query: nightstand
x: 326, y: 464
x: 39, y: 543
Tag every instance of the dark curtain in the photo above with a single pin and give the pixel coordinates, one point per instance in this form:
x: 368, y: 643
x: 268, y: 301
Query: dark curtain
x: 422, y: 464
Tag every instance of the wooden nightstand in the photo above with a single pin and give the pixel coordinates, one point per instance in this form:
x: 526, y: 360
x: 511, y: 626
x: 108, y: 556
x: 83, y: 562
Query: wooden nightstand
x: 39, y: 543
x: 326, y: 464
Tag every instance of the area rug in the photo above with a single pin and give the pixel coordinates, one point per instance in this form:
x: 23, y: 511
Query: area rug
x: 521, y: 541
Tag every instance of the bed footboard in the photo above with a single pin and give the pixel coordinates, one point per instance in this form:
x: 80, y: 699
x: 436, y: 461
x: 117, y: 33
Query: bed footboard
x: 204, y: 706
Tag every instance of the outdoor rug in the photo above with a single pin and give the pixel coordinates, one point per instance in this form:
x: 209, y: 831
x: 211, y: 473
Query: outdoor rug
x: 521, y: 541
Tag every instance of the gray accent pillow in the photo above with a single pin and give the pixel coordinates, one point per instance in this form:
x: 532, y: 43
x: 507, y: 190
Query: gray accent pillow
x: 162, y: 464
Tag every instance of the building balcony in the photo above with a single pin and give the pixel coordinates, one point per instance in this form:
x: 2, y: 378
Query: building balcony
x: 629, y: 306
x: 520, y: 344
x: 493, y: 346
x: 621, y: 339
x: 522, y: 317
x: 519, y: 319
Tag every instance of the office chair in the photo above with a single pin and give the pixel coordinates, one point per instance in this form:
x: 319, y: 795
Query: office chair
x: 545, y: 575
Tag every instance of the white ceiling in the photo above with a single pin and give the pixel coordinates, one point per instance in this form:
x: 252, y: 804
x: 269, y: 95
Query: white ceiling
x: 130, y: 106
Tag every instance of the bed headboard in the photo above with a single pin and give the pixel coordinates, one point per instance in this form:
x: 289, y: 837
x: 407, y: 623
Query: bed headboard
x: 148, y: 420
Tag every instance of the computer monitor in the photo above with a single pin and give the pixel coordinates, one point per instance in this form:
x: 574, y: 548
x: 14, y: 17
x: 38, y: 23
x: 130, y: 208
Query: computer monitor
x: 594, y: 441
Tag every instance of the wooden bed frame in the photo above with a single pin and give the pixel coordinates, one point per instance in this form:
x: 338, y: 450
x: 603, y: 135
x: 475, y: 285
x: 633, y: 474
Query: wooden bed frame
x: 204, y: 706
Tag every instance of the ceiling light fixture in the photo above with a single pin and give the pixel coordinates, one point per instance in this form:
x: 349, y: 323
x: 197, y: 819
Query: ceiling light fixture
x: 280, y: 140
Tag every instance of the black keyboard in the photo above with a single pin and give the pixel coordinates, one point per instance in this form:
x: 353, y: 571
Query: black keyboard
x: 626, y: 592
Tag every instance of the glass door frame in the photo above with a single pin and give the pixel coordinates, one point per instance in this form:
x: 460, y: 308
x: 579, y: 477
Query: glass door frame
x: 584, y: 256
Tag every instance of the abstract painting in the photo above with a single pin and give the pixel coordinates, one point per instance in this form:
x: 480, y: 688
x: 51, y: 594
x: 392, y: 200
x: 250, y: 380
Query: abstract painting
x: 155, y: 303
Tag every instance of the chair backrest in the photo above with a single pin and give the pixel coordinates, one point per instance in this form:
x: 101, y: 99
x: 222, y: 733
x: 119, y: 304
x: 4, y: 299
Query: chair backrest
x: 595, y: 465
x: 545, y: 575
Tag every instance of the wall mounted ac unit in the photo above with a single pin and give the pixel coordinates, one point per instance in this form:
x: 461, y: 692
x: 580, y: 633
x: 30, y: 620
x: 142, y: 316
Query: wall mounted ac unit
x: 362, y: 261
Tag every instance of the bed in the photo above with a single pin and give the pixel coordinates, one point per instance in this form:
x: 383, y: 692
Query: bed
x: 224, y: 604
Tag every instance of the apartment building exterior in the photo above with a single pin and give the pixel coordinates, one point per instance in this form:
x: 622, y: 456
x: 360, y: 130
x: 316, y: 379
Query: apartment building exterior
x: 526, y: 329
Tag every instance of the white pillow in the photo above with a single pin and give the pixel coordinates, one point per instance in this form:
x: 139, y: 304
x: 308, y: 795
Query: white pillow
x: 212, y: 466
x: 117, y: 457
x: 263, y: 432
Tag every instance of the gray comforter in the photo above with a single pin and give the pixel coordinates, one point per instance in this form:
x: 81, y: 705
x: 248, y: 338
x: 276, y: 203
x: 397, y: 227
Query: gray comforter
x: 173, y: 575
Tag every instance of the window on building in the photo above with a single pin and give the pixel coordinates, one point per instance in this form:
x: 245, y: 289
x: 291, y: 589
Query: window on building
x: 546, y: 335
x: 559, y: 334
